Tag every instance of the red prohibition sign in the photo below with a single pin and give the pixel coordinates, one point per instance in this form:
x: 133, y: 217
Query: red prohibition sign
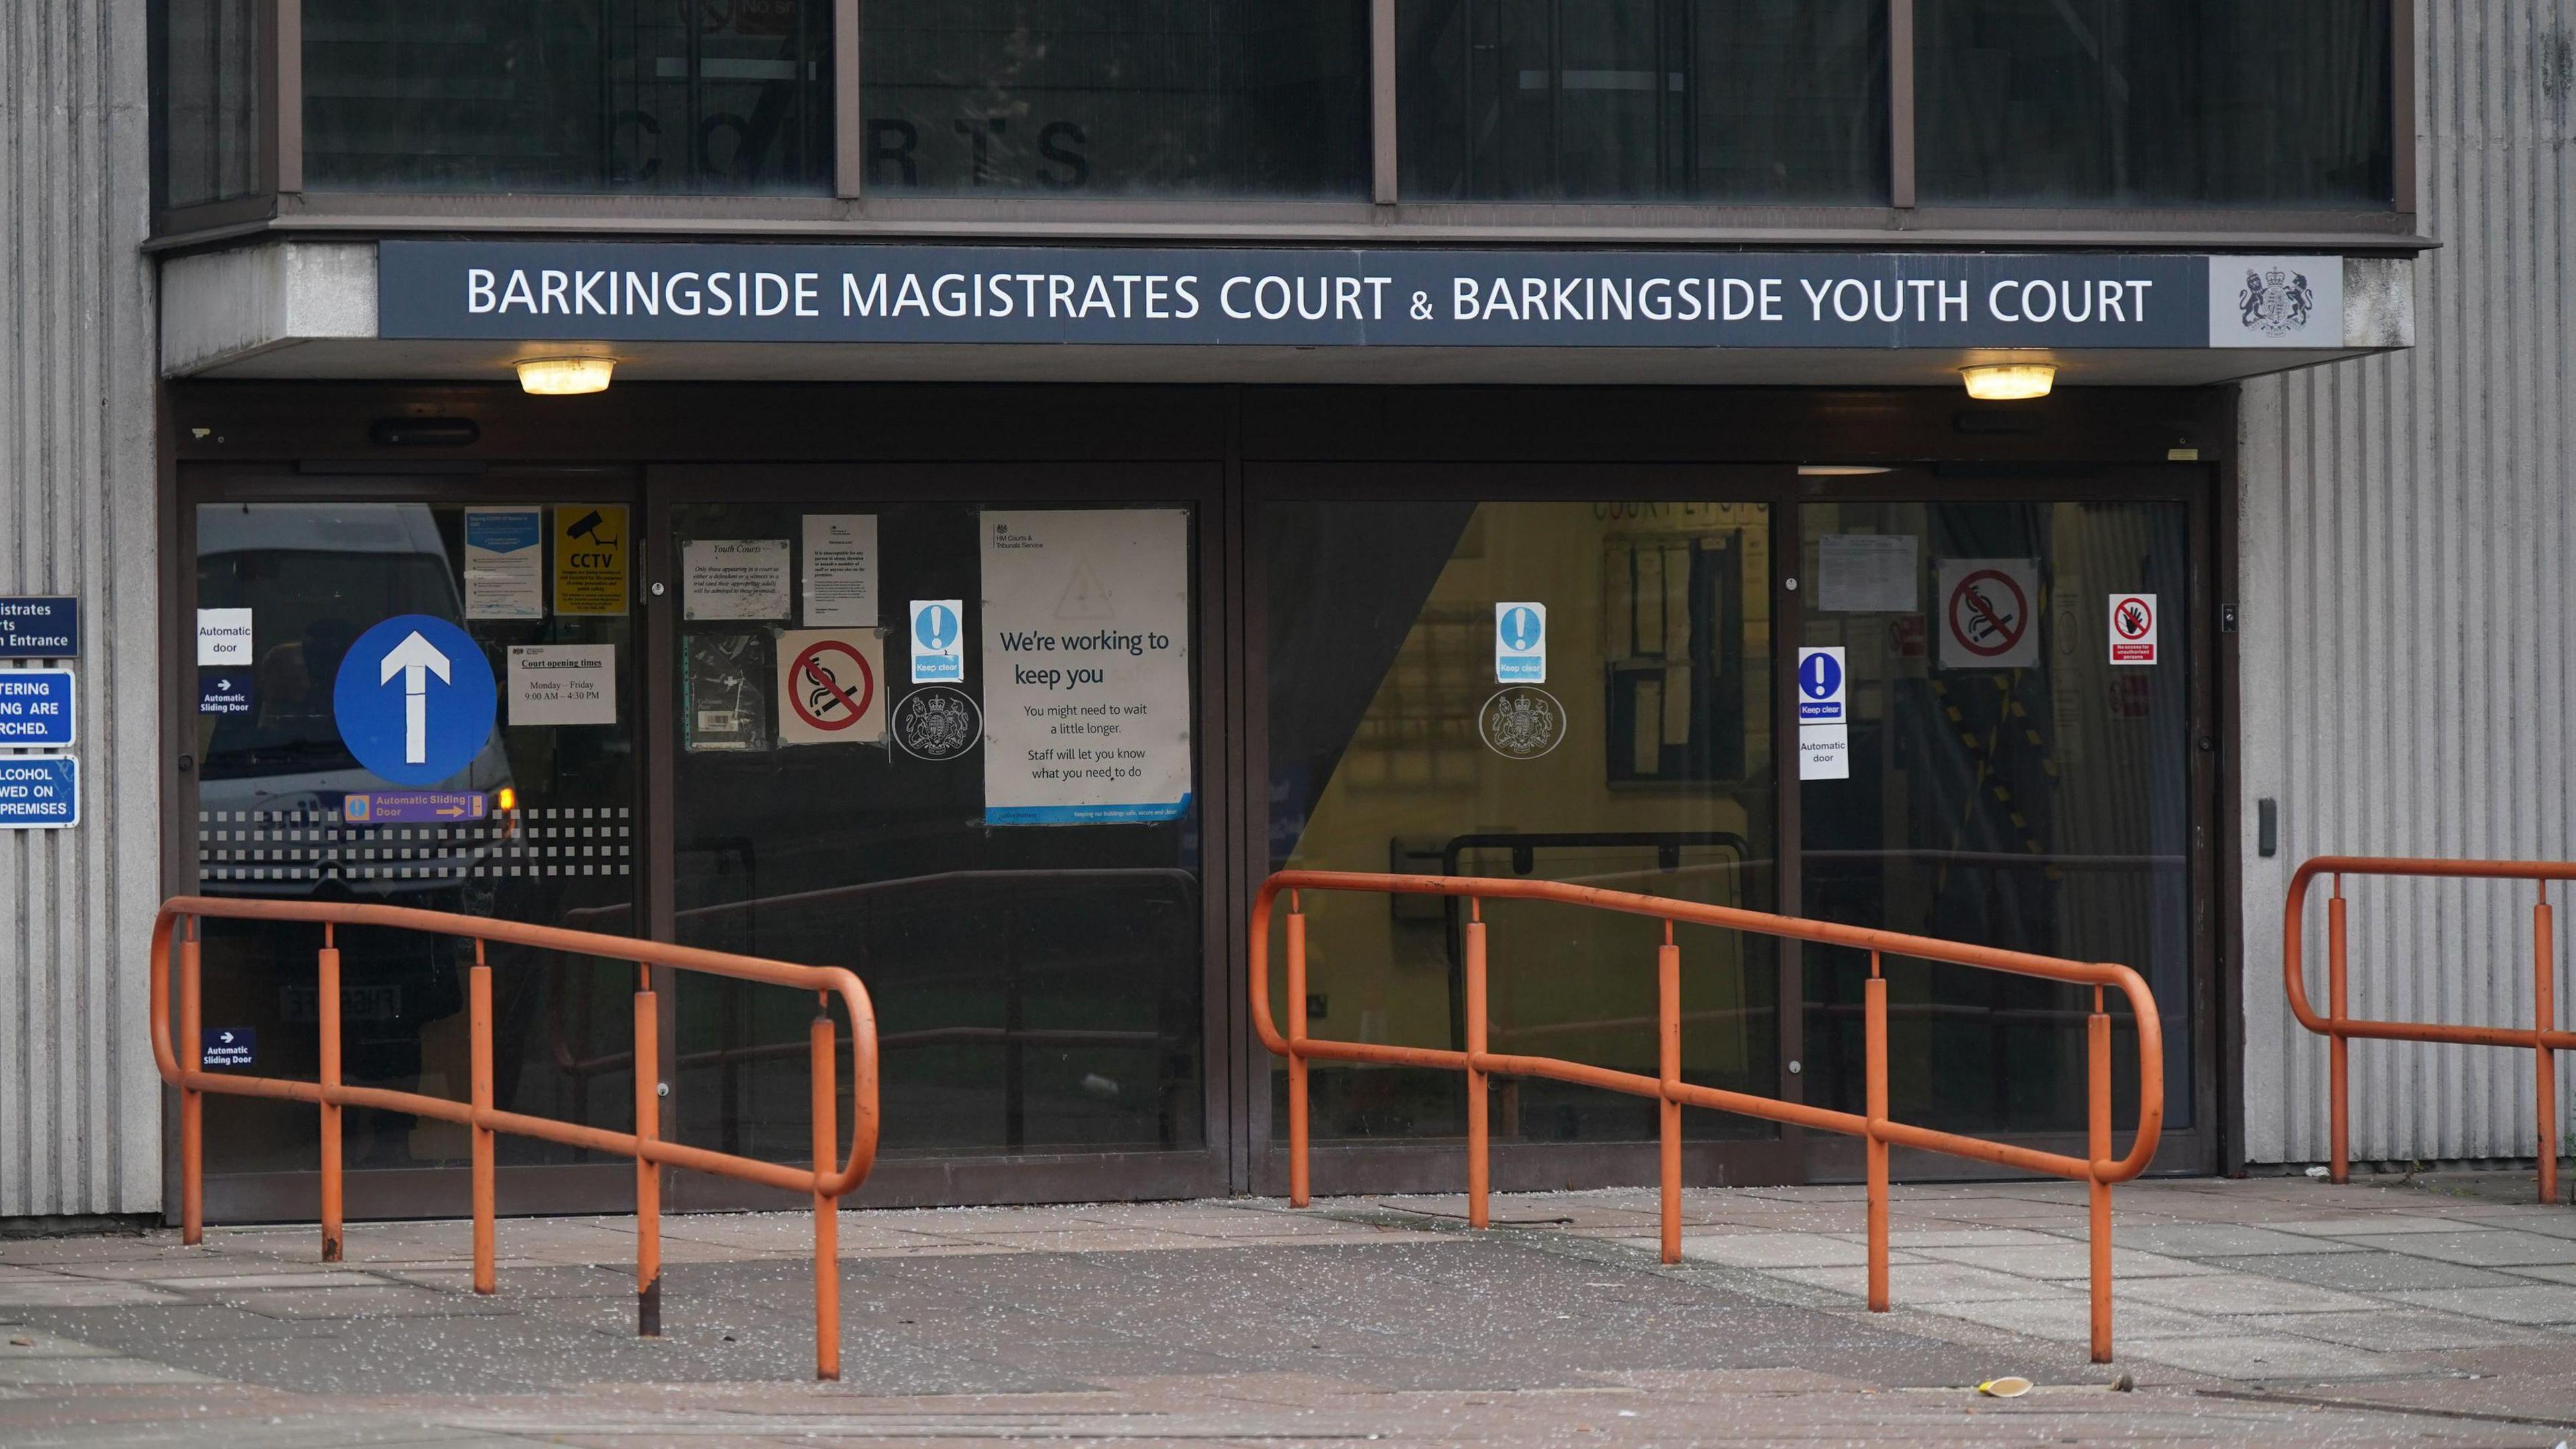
x: 807, y: 670
x: 2133, y: 618
x: 2007, y: 626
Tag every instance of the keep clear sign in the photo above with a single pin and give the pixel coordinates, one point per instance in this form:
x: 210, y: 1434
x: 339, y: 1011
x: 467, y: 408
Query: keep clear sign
x: 1087, y: 666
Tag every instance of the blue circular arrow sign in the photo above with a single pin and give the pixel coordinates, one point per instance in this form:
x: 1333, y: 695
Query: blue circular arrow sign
x: 415, y: 699
x: 1820, y: 676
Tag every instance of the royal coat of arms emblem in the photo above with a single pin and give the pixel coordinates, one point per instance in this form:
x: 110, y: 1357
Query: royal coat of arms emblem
x: 937, y: 723
x: 1522, y: 723
x: 2275, y: 301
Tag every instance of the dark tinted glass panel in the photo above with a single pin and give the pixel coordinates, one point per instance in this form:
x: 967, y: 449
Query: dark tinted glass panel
x: 1757, y: 100
x: 1075, y: 97
x: 1643, y: 763
x: 617, y: 95
x: 1037, y: 984
x: 2155, y: 102
x: 205, y: 91
x: 2010, y: 785
x: 538, y: 826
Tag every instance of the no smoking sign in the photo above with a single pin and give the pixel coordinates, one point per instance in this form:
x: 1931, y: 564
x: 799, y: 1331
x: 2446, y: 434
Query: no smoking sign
x: 1989, y: 613
x: 2133, y: 628
x: 828, y: 687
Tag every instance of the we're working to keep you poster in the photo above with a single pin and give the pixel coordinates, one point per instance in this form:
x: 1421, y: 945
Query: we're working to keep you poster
x: 1086, y: 665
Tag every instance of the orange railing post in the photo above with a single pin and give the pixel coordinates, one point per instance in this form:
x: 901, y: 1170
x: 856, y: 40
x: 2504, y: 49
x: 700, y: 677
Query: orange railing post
x: 192, y: 1101
x: 326, y: 1004
x: 2544, y: 1058
x: 648, y: 1173
x: 1480, y: 1179
x: 1300, y: 1182
x: 827, y: 1206
x: 177, y: 933
x: 1668, y: 1107
x: 2097, y: 1145
x: 2338, y: 1077
x: 2542, y: 1038
x: 1874, y: 1147
x: 479, y: 1027
x: 1876, y: 1126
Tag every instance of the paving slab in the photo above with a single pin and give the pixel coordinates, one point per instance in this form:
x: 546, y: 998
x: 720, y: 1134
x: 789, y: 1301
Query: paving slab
x: 2540, y: 1303
x: 2232, y: 1293
x: 2488, y: 1248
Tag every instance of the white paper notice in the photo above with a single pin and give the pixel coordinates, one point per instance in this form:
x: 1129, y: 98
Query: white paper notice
x: 505, y: 563
x: 841, y: 569
x: 1866, y: 573
x: 223, y: 636
x: 1086, y: 666
x: 734, y: 578
x: 563, y: 684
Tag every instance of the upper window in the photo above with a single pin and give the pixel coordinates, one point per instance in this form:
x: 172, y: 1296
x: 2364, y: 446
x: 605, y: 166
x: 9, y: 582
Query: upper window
x: 1110, y: 97
x: 2154, y: 102
x: 205, y: 133
x: 609, y: 95
x: 1643, y: 100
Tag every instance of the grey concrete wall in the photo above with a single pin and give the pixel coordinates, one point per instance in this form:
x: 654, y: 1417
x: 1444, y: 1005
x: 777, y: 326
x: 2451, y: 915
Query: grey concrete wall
x: 80, y: 1108
x: 2407, y: 647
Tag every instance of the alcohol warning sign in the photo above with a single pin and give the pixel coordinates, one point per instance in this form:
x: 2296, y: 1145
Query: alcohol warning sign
x: 829, y: 690
x: 2133, y: 628
x: 1989, y: 613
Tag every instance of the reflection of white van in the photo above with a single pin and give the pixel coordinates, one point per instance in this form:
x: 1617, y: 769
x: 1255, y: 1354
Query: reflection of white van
x: 315, y: 576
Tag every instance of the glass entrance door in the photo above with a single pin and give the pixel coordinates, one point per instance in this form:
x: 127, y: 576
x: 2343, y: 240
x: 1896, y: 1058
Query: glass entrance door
x: 1554, y: 674
x: 944, y: 729
x: 2023, y: 771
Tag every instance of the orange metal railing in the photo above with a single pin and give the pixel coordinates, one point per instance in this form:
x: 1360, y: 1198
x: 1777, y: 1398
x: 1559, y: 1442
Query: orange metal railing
x: 2542, y: 1040
x: 826, y: 1181
x: 2098, y: 1169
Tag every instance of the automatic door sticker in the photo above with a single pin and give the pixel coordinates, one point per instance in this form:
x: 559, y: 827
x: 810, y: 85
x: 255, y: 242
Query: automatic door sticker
x: 1522, y: 722
x: 724, y: 693
x: 2133, y: 628
x: 937, y: 723
x: 1989, y: 613
x: 829, y: 687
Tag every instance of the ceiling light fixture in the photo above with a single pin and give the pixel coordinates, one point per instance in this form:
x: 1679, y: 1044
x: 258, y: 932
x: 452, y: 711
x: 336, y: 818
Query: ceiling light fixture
x: 1839, y: 470
x: 2009, y: 381
x: 565, y: 376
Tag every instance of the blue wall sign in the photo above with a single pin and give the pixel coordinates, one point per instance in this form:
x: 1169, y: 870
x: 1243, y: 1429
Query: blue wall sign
x: 46, y: 626
x: 36, y: 708
x: 39, y: 792
x: 415, y: 699
x: 590, y: 291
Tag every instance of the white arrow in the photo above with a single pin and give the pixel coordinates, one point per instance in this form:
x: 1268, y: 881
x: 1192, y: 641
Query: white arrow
x: 415, y: 659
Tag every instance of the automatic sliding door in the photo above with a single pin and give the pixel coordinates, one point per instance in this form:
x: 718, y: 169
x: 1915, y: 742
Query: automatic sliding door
x: 2020, y: 775
x: 988, y: 808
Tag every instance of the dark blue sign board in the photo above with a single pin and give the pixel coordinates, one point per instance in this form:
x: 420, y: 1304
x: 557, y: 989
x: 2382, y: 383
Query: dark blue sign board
x: 415, y: 699
x: 39, y: 792
x: 228, y: 1046
x: 583, y: 291
x: 44, y: 626
x: 226, y: 691
x: 36, y: 709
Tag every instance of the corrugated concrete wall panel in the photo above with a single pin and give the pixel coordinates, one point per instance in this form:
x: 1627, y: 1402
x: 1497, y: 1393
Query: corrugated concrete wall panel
x: 2407, y: 652
x: 80, y: 1113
